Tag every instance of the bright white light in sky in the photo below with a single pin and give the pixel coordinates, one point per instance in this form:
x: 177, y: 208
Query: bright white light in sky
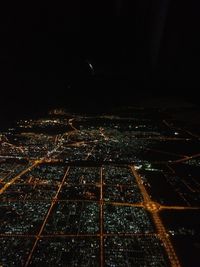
x: 91, y: 66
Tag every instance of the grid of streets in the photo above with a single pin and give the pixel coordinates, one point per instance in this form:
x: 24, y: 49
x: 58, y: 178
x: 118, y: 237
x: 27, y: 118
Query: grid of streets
x: 109, y: 190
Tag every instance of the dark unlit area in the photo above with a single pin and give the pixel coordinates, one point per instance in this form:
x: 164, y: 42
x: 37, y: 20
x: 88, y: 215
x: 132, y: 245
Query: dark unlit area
x: 97, y: 53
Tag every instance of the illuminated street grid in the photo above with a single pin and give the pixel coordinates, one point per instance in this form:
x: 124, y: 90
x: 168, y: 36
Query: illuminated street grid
x: 99, y: 191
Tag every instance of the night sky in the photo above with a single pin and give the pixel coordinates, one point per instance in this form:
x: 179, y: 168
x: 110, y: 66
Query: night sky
x: 135, y: 49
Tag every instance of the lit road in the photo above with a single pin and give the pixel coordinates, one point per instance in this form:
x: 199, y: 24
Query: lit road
x: 14, y: 179
x: 186, y: 158
x: 58, y: 144
x: 153, y: 208
x: 61, y: 144
x: 101, y: 219
x: 46, y: 218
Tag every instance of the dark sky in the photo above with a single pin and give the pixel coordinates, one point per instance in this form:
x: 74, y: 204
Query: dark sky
x: 136, y: 47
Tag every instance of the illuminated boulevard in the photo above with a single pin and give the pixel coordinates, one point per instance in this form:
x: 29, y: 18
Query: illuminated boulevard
x: 99, y: 191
